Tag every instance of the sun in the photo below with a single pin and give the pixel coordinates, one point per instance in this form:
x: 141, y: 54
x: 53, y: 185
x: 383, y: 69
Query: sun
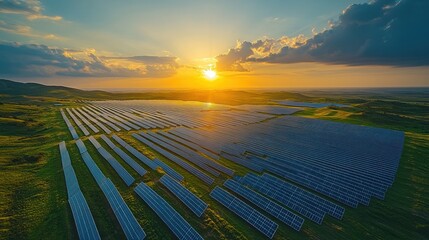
x: 210, y: 74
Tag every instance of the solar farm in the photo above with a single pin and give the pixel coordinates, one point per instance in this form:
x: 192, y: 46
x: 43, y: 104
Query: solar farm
x: 185, y: 162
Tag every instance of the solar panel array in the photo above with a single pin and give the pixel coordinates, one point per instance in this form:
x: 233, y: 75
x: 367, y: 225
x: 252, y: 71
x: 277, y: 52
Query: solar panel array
x: 279, y: 212
x: 69, y: 125
x: 123, y: 214
x: 304, y: 165
x: 139, y: 169
x: 82, y: 215
x: 177, y: 224
x: 260, y: 222
x: 122, y: 172
x: 194, y: 203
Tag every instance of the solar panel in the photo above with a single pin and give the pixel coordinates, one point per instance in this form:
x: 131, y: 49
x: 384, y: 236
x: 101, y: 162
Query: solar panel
x: 93, y: 168
x: 82, y: 216
x: 179, y: 152
x: 205, y: 178
x: 78, y: 123
x: 65, y: 157
x: 118, y: 117
x: 69, y: 125
x: 128, y: 222
x: 136, y: 153
x: 122, y: 172
x: 279, y: 212
x: 94, y: 129
x: 108, y: 117
x: 101, y: 118
x: 286, y: 188
x: 260, y: 222
x: 139, y: 169
x: 241, y: 162
x: 126, y: 219
x: 190, y: 144
x: 84, y: 221
x: 194, y: 203
x: 295, y: 203
x: 99, y: 124
x: 177, y: 224
x: 170, y: 171
x: 194, y: 156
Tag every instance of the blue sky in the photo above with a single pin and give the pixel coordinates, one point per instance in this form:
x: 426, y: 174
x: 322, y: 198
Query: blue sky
x: 240, y: 37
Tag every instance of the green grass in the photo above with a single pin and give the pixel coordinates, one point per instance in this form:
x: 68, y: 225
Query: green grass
x: 33, y: 198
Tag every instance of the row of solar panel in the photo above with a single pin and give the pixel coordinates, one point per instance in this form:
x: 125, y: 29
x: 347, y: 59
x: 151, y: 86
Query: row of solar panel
x: 82, y: 215
x: 78, y: 122
x: 191, y: 154
x: 177, y: 224
x: 114, y: 119
x: 358, y: 191
x: 153, y: 164
x: 205, y: 178
x: 195, y: 204
x: 122, y: 121
x: 133, y: 164
x: 300, y: 201
x: 190, y: 144
x: 128, y: 222
x: 175, y: 150
x: 274, y: 209
x: 165, y: 113
x: 89, y: 124
x: 69, y: 125
x: 260, y: 222
x: 122, y: 172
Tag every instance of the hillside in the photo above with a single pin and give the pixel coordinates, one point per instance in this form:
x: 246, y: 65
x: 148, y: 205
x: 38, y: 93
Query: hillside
x: 25, y: 91
x: 13, y: 88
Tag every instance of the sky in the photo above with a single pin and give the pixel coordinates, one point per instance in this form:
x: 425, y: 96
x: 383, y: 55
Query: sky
x: 170, y: 44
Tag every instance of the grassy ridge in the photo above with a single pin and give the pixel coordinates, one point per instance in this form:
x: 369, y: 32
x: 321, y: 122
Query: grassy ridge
x: 33, y: 199
x: 32, y: 189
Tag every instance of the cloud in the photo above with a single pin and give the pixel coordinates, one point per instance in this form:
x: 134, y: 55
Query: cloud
x: 152, y: 60
x: 381, y: 32
x: 32, y: 9
x: 33, y: 60
x: 232, y: 61
x: 24, y: 31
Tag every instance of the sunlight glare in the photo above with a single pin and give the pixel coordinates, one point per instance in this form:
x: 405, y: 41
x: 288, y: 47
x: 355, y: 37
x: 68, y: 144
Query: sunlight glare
x: 209, y: 74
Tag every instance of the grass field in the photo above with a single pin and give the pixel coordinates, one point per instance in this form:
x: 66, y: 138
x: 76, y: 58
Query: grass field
x: 33, y: 198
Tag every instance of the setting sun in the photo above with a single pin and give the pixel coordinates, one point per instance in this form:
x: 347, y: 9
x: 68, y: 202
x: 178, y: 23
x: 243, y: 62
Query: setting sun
x: 210, y: 74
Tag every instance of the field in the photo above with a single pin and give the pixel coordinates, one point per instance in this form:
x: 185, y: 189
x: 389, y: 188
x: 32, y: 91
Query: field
x: 33, y: 197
